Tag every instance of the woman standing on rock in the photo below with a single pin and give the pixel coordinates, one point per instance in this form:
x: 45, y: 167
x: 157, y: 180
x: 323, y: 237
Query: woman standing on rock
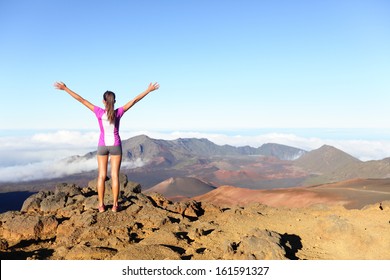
x: 109, y: 141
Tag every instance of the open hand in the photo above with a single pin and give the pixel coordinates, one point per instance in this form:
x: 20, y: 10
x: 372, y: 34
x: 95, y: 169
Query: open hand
x: 59, y: 85
x: 153, y: 87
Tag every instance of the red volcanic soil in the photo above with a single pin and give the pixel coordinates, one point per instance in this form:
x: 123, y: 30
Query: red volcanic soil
x: 274, y: 171
x: 292, y: 197
x: 248, y: 175
x: 357, y: 192
x: 351, y: 194
x: 237, y: 175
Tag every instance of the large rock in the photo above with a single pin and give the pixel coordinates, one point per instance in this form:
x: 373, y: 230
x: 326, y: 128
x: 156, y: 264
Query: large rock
x: 16, y: 227
x: 258, y: 245
x: 126, y: 188
x: 65, y: 224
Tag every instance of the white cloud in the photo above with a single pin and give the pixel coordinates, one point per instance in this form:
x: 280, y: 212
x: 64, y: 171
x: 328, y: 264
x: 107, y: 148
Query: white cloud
x: 47, y: 155
x: 44, y: 170
x: 66, y: 137
x: 45, y: 147
x: 54, y: 169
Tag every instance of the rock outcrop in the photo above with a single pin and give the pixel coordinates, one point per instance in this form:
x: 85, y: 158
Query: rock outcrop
x: 65, y: 224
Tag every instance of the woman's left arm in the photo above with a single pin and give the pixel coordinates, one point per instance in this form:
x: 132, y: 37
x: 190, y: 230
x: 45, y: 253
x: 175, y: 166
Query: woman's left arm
x: 131, y: 103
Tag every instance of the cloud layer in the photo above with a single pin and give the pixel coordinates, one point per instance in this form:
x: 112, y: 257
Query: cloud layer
x: 53, y: 169
x: 48, y: 155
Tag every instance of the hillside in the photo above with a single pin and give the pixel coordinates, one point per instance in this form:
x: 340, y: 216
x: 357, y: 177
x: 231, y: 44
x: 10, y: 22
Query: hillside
x: 180, y: 188
x: 291, y: 197
x: 279, y: 151
x: 326, y: 160
x: 329, y: 164
x: 352, y: 194
x: 64, y: 224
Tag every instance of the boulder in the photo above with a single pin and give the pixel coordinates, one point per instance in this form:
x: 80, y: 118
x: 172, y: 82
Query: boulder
x: 16, y: 227
x: 65, y: 224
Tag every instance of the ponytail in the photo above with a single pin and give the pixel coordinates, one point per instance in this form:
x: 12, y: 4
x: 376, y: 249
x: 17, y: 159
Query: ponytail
x: 109, y: 98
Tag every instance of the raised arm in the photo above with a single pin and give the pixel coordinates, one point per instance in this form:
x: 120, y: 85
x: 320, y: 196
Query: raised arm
x: 62, y: 86
x: 131, y: 103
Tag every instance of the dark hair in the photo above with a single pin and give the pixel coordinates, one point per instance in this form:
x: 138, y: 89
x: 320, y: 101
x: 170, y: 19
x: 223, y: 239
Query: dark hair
x: 109, y: 98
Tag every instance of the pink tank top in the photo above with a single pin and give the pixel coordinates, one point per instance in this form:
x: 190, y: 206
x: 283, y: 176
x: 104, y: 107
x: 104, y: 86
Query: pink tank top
x: 109, y: 133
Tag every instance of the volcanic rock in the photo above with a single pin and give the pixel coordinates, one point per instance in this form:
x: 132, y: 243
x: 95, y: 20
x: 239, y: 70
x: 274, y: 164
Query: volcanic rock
x: 64, y: 225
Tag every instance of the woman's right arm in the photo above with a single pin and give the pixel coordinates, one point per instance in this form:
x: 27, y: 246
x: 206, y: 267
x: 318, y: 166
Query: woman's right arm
x: 62, y: 86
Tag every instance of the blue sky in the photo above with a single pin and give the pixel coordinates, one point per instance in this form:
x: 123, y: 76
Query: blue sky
x: 221, y: 64
x: 300, y: 73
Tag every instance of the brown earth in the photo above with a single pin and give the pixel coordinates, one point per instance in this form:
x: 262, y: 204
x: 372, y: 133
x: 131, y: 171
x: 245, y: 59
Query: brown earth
x: 179, y: 188
x: 351, y: 194
x: 292, y: 197
x: 65, y: 224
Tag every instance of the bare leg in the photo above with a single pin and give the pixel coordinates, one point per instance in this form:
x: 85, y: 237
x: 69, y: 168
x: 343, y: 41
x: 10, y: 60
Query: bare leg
x: 102, y: 170
x: 115, y: 167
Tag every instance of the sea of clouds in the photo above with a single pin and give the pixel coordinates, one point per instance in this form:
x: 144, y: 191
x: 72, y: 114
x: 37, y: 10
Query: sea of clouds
x: 48, y: 155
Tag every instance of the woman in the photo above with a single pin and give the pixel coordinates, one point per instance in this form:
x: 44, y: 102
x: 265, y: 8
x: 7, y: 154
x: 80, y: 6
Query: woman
x: 109, y: 141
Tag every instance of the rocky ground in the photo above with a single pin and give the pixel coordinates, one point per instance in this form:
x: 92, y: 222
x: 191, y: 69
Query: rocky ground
x: 65, y: 224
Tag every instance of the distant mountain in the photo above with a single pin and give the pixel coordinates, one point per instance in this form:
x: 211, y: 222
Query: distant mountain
x: 326, y: 159
x: 279, y: 151
x: 329, y: 164
x: 149, y: 150
x: 177, y: 188
x: 169, y: 152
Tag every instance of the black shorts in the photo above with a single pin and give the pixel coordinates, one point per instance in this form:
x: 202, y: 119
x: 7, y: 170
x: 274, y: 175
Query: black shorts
x: 109, y: 150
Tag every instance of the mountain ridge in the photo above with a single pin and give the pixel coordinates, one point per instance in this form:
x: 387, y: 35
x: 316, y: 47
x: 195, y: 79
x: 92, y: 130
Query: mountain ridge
x: 327, y: 159
x: 145, y: 147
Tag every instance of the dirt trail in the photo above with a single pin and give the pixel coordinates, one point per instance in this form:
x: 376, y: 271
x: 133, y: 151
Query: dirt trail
x: 359, y: 190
